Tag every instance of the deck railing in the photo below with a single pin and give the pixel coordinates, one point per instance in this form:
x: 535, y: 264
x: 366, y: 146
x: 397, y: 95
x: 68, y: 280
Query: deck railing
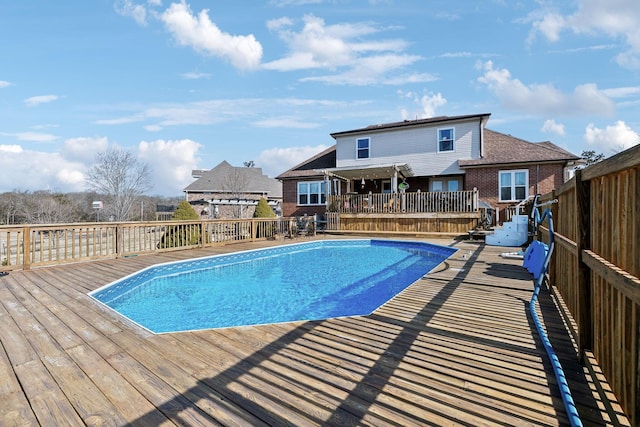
x: 25, y: 246
x: 596, y: 269
x: 399, y: 203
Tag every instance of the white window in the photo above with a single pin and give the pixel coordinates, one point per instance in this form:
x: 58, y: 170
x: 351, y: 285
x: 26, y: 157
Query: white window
x: 514, y: 185
x: 362, y: 148
x: 453, y: 185
x: 446, y: 140
x: 436, y: 186
x: 312, y: 193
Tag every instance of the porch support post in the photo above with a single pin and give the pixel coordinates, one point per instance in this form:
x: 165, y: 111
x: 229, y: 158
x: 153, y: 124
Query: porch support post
x: 394, y: 180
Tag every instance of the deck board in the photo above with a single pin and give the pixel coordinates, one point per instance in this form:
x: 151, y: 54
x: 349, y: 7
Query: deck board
x: 455, y: 348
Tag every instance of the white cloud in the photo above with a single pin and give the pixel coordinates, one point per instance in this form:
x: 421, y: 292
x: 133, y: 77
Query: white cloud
x: 199, y: 33
x: 275, y: 161
x: 70, y: 177
x: 612, y: 138
x: 629, y: 59
x: 261, y: 112
x: 622, y: 92
x: 120, y: 120
x: 136, y: 11
x: 204, y: 113
x: 4, y: 83
x: 549, y: 26
x: 619, y: 20
x: 544, y: 98
x: 171, y: 163
x: 283, y: 3
x: 427, y: 105
x: 42, y: 99
x: 277, y: 24
x: 13, y: 148
x: 195, y: 75
x: 54, y: 172
x: 377, y: 70
x: 345, y: 51
x: 550, y: 126
x: 83, y: 149
x: 284, y: 122
x: 31, y: 136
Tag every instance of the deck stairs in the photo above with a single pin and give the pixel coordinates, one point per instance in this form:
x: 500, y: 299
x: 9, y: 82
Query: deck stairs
x: 511, y: 233
x: 514, y: 232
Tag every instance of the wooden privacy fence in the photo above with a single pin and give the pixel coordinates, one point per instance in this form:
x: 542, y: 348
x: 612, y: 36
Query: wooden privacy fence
x: 596, y: 268
x: 24, y: 246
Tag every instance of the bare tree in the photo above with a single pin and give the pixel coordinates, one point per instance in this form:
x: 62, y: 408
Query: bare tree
x: 10, y: 208
x: 46, y: 207
x: 236, y: 184
x: 121, y: 178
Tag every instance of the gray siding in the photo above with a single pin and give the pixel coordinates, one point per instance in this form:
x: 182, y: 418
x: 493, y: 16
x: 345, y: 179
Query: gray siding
x: 416, y: 146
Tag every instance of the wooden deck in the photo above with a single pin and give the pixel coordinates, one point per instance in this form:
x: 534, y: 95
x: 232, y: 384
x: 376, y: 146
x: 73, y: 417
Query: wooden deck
x: 456, y: 348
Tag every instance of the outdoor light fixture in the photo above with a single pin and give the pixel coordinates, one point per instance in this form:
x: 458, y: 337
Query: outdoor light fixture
x: 362, y: 183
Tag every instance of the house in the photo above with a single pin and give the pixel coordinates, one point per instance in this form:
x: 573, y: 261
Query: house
x: 232, y: 192
x: 304, y: 186
x: 439, y: 154
x: 511, y: 168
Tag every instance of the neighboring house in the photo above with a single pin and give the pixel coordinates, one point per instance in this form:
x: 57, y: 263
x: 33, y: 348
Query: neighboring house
x: 428, y: 155
x: 232, y: 192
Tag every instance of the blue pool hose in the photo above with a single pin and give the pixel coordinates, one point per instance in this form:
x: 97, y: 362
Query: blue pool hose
x: 565, y: 392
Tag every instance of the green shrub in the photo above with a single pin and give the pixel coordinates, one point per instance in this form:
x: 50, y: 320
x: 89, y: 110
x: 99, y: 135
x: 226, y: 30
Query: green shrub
x: 263, y: 210
x: 185, y: 212
x: 182, y: 235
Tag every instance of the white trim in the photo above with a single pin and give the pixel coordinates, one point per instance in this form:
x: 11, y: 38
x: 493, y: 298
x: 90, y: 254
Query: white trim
x: 368, y: 148
x: 320, y: 193
x: 453, y: 139
x: 513, y: 172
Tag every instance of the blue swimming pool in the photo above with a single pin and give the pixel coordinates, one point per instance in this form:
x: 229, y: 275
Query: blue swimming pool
x: 304, y: 281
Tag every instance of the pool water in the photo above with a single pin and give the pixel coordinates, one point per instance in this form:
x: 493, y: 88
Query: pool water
x: 308, y: 281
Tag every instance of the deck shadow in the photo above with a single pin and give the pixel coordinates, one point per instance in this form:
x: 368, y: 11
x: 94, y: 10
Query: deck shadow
x: 352, y: 409
x: 559, y: 336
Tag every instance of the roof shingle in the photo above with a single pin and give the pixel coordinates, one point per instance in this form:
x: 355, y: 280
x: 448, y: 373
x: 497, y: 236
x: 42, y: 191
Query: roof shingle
x: 500, y: 148
x: 217, y: 180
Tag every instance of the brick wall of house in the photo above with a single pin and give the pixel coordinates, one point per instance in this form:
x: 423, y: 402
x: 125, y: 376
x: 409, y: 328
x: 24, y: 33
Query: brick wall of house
x: 548, y: 176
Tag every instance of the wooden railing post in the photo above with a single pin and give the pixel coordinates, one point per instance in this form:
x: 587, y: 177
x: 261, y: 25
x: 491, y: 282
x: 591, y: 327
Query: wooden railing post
x: 254, y: 229
x: 583, y: 241
x: 119, y: 236
x: 26, y: 248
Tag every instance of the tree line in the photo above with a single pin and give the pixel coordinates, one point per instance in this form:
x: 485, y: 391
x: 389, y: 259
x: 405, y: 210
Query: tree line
x: 49, y: 207
x: 117, y: 180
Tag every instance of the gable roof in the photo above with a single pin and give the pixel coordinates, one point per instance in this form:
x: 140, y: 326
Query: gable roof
x: 500, y: 148
x: 412, y: 123
x: 308, y: 168
x: 218, y: 180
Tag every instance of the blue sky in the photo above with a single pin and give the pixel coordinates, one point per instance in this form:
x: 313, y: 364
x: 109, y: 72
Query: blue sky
x: 187, y: 84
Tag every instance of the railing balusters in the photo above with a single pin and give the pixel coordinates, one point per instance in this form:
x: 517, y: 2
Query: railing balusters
x: 416, y: 202
x: 23, y: 246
